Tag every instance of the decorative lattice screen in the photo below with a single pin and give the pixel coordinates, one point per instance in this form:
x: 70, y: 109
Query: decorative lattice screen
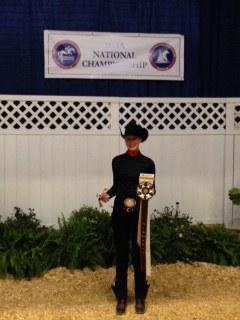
x: 173, y: 116
x: 54, y: 115
x: 237, y: 117
x: 44, y: 115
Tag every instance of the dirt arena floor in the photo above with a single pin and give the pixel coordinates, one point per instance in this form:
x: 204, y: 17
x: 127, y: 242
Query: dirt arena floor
x: 177, y: 292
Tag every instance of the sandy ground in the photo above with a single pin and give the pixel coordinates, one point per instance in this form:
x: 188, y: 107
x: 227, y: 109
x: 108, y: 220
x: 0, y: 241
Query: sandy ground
x: 178, y: 291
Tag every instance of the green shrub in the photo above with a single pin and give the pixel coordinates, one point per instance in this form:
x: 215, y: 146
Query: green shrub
x: 217, y: 245
x: 175, y: 238
x: 23, y: 243
x: 234, y: 195
x: 85, y: 239
x: 100, y: 221
x: 171, y: 236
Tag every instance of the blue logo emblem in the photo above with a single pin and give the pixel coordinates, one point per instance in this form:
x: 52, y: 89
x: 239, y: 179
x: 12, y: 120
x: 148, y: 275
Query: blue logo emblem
x: 162, y: 56
x: 66, y: 54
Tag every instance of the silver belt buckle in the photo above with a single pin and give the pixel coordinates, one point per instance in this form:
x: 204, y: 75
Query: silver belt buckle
x: 129, y: 204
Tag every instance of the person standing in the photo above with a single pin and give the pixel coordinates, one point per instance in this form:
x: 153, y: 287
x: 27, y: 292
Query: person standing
x: 126, y: 171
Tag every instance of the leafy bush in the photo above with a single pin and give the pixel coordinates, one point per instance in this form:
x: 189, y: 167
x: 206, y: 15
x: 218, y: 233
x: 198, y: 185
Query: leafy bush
x: 100, y: 222
x: 175, y: 238
x: 217, y: 245
x: 23, y: 244
x: 85, y: 239
x: 171, y: 236
x: 234, y: 195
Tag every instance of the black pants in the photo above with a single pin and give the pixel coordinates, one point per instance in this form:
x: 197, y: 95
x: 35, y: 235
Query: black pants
x: 125, y: 225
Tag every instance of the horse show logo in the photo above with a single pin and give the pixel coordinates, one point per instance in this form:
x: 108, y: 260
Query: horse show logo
x: 162, y: 56
x: 66, y: 54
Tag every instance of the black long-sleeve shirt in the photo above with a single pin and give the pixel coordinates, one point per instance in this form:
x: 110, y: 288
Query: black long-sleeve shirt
x: 126, y: 171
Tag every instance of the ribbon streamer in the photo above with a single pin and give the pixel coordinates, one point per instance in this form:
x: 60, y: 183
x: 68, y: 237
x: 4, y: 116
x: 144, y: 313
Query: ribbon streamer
x: 145, y: 191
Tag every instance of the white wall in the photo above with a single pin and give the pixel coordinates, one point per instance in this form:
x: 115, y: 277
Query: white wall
x: 189, y: 174
x: 58, y: 172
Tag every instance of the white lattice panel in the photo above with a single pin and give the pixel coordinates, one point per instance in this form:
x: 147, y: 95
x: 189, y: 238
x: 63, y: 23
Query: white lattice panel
x: 176, y: 116
x: 98, y: 115
x: 45, y: 115
x: 237, y: 117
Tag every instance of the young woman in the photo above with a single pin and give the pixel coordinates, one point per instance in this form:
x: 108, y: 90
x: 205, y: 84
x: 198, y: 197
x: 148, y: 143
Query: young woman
x: 126, y: 170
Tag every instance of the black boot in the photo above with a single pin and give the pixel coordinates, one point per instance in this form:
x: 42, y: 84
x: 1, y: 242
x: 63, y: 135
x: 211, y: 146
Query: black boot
x: 121, y: 300
x: 121, y: 306
x: 140, y: 306
x: 140, y: 296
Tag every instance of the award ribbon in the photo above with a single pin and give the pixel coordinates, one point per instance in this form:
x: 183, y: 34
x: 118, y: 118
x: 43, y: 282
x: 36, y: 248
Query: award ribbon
x: 145, y: 191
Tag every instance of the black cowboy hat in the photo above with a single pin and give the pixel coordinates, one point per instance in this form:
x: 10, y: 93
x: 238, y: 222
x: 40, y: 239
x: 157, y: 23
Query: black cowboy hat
x: 133, y: 129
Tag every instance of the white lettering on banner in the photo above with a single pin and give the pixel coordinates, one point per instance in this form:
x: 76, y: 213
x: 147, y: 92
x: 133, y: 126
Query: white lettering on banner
x: 113, y: 56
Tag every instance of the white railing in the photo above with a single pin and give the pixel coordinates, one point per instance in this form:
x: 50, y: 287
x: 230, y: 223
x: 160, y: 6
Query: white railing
x: 56, y: 152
